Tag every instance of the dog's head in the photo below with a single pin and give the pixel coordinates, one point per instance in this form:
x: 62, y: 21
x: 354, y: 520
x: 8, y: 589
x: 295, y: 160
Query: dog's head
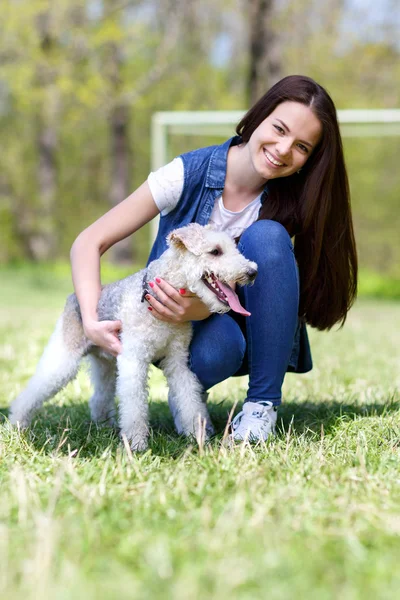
x: 211, y: 263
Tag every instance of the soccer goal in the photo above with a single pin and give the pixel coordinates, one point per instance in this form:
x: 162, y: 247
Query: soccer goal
x: 375, y: 156
x: 353, y: 123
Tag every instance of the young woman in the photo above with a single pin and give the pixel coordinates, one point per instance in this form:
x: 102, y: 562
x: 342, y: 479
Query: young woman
x: 282, y: 178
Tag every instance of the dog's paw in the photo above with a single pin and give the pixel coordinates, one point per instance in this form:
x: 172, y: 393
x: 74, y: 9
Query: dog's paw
x: 210, y: 431
x: 136, y: 441
x: 19, y: 420
x: 200, y: 428
x: 107, y: 421
x: 139, y: 445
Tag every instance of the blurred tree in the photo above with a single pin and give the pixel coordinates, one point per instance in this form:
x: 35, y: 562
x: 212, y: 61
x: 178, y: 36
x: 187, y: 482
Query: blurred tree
x: 122, y: 96
x: 265, y: 65
x: 41, y: 239
x: 36, y: 119
x: 77, y: 91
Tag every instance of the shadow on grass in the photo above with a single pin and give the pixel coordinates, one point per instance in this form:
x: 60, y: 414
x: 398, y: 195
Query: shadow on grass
x: 308, y: 418
x: 66, y: 429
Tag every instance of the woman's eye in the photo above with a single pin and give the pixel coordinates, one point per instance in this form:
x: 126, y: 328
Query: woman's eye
x: 216, y: 252
x: 279, y: 129
x: 303, y: 148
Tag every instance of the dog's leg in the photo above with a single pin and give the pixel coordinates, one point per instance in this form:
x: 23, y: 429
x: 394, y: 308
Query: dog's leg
x: 102, y: 404
x: 175, y: 408
x: 57, y: 366
x: 132, y: 392
x: 186, y: 397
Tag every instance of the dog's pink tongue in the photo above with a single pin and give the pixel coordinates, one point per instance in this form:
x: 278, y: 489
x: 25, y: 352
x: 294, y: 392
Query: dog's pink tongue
x: 233, y: 299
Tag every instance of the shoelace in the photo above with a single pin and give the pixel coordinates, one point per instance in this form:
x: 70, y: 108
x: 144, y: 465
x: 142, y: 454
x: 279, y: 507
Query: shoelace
x: 253, y: 418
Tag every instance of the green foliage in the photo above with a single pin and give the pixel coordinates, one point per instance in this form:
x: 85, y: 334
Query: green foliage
x: 374, y: 285
x: 316, y: 508
x: 166, y: 52
x: 375, y: 192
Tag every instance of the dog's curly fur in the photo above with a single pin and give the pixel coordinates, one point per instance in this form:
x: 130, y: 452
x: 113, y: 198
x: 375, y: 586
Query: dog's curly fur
x: 193, y: 252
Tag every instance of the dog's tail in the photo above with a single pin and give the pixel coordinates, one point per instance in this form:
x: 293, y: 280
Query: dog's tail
x: 58, y: 366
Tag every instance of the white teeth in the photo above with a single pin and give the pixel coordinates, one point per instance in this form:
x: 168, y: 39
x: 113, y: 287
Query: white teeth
x: 211, y: 281
x: 272, y: 159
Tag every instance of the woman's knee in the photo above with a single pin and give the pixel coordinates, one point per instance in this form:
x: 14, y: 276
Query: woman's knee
x: 265, y: 239
x: 217, y: 349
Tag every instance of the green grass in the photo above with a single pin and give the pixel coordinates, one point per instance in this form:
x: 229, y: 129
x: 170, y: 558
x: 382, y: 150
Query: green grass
x: 313, y: 513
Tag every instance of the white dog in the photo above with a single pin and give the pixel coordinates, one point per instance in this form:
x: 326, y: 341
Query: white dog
x: 198, y: 259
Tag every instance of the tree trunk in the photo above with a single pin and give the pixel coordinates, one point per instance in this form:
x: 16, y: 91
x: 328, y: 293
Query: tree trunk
x: 42, y: 237
x: 120, y: 173
x: 265, y: 64
x: 120, y: 155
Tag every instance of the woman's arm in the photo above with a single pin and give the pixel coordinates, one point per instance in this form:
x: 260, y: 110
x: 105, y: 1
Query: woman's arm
x: 122, y: 220
x: 118, y: 223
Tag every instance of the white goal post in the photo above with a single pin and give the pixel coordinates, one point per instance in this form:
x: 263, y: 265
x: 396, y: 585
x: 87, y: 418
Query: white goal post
x: 353, y: 123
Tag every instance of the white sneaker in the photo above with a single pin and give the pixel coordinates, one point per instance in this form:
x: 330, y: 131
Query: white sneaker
x: 256, y: 422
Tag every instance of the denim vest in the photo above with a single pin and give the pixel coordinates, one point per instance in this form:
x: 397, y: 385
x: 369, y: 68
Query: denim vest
x: 204, y: 181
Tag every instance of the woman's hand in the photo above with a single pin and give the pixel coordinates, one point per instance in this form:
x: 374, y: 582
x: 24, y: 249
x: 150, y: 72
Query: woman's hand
x: 105, y: 334
x: 175, y: 306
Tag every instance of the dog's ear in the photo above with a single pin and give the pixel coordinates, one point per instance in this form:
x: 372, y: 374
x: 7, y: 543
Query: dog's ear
x: 189, y: 238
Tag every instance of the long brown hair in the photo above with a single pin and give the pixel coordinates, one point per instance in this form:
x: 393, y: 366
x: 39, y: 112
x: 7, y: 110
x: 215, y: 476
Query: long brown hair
x: 314, y: 206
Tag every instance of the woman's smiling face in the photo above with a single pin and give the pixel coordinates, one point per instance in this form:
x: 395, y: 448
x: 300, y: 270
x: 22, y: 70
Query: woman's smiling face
x: 283, y: 142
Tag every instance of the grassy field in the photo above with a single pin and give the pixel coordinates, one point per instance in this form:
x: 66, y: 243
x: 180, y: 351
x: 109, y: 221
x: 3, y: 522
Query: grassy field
x: 313, y: 513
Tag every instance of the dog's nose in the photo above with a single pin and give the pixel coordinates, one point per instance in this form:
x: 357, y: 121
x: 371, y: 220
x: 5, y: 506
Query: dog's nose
x: 252, y: 274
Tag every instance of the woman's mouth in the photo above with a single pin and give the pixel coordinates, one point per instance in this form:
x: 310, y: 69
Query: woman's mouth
x: 272, y: 160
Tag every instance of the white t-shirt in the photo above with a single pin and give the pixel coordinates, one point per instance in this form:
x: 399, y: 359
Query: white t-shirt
x: 166, y: 186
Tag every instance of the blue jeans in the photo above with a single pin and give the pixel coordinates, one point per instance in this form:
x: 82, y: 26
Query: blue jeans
x: 260, y: 345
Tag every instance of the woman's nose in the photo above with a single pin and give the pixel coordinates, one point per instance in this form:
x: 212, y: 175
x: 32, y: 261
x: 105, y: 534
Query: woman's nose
x: 283, y: 147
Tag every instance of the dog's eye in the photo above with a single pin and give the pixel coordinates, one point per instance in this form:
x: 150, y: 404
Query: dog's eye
x: 216, y: 252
